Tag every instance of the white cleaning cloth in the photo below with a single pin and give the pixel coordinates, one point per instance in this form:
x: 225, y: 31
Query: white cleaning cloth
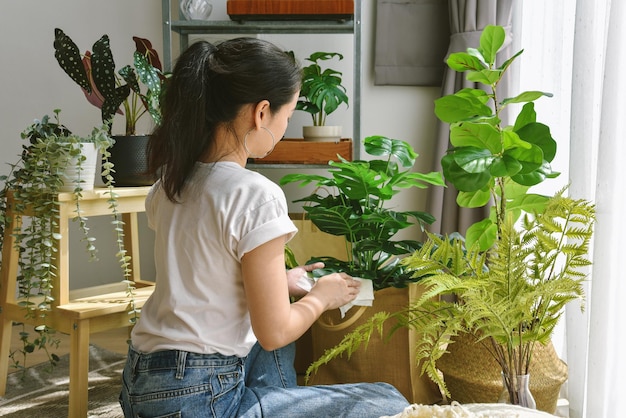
x: 364, y: 298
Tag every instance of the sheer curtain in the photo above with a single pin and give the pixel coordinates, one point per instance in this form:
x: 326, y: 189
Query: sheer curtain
x: 596, y: 136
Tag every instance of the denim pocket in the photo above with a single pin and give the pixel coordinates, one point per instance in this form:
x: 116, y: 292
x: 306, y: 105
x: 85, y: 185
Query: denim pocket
x: 208, y: 388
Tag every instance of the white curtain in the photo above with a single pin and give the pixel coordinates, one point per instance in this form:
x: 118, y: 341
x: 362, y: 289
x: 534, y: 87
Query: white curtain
x: 589, y: 69
x: 600, y: 36
x: 582, y: 61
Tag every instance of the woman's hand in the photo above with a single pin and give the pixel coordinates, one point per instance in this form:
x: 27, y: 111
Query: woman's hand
x: 335, y: 290
x: 295, y: 274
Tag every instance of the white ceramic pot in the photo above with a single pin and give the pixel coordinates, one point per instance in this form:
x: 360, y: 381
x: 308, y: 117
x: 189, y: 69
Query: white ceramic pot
x: 86, y: 175
x: 322, y: 133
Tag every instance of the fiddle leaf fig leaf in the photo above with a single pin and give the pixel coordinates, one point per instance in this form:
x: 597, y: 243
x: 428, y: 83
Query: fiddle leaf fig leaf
x: 530, y: 158
x: 462, y: 61
x: 505, y: 167
x: 479, y: 135
x: 461, y: 179
x: 527, y: 96
x: 491, y: 40
x: 475, y: 199
x: 481, y: 233
x: 455, y: 108
x: 485, y: 76
x: 534, y: 177
x: 473, y: 159
x: 539, y: 134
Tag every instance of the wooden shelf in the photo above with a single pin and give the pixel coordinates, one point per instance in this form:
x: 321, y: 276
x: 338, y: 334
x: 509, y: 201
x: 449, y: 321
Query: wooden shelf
x: 299, y: 151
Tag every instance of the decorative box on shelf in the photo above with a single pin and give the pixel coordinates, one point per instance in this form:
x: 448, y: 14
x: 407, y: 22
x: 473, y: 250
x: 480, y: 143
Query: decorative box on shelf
x: 299, y: 151
x: 290, y: 9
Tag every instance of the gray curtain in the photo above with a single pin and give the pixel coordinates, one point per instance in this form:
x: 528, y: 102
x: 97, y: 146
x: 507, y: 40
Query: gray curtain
x: 411, y: 41
x: 467, y: 19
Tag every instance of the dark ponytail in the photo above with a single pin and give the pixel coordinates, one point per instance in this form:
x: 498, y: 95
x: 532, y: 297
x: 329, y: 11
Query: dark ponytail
x: 209, y: 86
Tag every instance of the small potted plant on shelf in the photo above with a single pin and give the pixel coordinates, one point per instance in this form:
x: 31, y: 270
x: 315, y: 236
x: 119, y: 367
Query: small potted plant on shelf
x: 502, y: 289
x: 354, y: 202
x: 96, y: 75
x: 321, y: 94
x: 52, y: 162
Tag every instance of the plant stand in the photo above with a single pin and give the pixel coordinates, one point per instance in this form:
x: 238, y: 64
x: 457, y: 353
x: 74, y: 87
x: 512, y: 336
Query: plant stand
x: 79, y: 312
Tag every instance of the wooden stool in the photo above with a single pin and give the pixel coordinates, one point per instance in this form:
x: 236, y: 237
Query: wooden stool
x: 81, y: 312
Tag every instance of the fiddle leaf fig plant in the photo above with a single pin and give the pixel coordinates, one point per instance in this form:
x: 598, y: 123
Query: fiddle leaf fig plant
x: 488, y: 161
x: 322, y: 92
x: 95, y: 73
x: 507, y: 282
x: 353, y: 202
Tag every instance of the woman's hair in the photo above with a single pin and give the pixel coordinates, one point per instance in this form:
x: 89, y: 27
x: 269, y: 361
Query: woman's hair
x: 208, y: 87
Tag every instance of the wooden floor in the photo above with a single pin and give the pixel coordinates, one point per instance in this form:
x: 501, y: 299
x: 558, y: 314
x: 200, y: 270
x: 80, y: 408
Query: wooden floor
x: 113, y: 340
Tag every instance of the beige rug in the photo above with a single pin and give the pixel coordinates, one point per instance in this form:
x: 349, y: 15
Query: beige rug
x: 46, y: 395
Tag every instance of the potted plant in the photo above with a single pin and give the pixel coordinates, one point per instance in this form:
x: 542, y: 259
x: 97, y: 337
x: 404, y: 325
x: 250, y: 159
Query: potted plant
x: 320, y: 95
x: 354, y: 202
x: 31, y: 187
x: 506, y: 284
x: 94, y: 72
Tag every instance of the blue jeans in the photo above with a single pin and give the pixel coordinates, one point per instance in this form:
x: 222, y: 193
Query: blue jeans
x: 175, y: 383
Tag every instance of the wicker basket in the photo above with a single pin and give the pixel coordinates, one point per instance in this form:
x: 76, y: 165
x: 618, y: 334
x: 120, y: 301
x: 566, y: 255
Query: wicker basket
x: 473, y: 375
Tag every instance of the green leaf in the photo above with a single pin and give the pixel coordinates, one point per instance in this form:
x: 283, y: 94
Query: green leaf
x: 539, y: 134
x: 491, y: 40
x: 527, y: 96
x: 473, y: 159
x: 478, y: 135
x: 456, y: 108
x: 462, y: 61
x: 529, y: 158
x: 505, y: 167
x: 461, y: 179
x: 475, y: 199
x: 487, y: 77
x: 481, y: 233
x: 382, y: 146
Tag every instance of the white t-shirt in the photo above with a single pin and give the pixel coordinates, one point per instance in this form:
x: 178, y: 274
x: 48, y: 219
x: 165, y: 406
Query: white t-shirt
x: 199, y: 304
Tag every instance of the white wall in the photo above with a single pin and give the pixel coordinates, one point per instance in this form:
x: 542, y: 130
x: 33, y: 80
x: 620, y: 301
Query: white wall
x: 33, y: 84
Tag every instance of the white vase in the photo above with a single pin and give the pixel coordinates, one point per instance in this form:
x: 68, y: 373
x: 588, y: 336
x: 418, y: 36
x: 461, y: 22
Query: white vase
x: 322, y: 133
x: 196, y: 9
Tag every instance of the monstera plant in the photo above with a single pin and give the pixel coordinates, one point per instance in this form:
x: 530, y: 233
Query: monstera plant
x: 353, y: 202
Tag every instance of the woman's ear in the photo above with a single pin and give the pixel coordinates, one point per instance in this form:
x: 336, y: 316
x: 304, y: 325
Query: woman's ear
x: 261, y: 112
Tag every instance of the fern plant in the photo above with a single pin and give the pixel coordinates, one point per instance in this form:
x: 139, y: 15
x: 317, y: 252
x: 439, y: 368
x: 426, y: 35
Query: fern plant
x: 511, y: 296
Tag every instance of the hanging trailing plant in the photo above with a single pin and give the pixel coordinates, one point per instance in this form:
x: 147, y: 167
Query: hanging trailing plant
x: 32, y: 187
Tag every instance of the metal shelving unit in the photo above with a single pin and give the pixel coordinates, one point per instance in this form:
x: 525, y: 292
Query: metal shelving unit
x: 184, y: 28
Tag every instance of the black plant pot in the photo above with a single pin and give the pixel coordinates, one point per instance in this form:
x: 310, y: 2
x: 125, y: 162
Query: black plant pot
x: 129, y: 159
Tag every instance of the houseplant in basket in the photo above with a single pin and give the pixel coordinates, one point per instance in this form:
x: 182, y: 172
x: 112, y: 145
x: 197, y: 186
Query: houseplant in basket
x: 353, y: 202
x: 321, y: 94
x: 31, y: 187
x: 138, y: 89
x: 507, y: 282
